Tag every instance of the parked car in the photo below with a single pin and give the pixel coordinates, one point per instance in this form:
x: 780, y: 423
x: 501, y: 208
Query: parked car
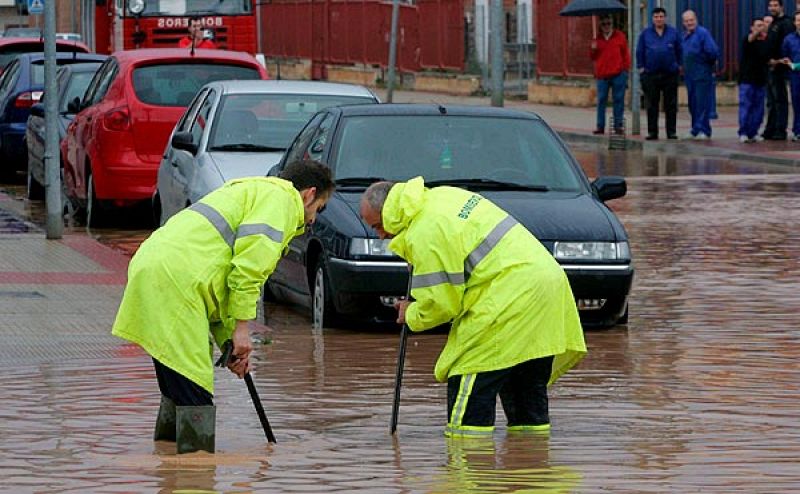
x: 340, y: 267
x: 114, y: 145
x: 10, y: 47
x: 72, y: 81
x: 21, y: 87
x: 235, y: 129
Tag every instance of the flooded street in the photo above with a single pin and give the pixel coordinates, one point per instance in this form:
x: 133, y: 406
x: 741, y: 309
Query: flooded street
x: 698, y: 393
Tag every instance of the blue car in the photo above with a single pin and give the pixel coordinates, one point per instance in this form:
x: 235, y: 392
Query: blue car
x: 72, y: 81
x: 21, y: 86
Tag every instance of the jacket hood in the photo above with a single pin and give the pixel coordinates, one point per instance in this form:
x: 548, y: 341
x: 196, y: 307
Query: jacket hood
x: 404, y: 202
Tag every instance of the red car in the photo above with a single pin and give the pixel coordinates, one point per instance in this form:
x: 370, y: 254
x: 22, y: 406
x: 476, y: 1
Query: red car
x: 113, y: 148
x: 11, y: 47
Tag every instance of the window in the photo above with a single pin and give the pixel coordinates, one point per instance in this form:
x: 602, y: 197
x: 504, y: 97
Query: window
x: 176, y: 84
x: 200, y: 122
x: 301, y: 143
x: 195, y: 7
x: 76, y: 87
x: 317, y: 147
x: 100, y: 83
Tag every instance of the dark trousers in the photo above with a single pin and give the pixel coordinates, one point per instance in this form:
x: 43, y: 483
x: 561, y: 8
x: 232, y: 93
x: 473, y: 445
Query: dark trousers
x: 655, y: 86
x: 180, y: 389
x: 751, y: 108
x: 472, y: 398
x: 777, y: 106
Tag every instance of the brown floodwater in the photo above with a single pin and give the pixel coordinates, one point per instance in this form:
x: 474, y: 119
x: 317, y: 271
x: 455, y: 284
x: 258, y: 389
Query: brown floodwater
x: 700, y: 392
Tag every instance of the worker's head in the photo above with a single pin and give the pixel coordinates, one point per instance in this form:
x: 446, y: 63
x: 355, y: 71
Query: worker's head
x: 314, y: 182
x: 372, y: 207
x: 659, y: 17
x: 689, y: 21
x: 606, y: 23
x: 775, y: 8
x: 797, y: 21
x: 758, y: 26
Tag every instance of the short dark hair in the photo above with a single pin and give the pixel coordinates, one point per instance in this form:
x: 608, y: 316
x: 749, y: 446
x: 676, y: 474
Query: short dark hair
x: 305, y: 174
x: 659, y: 10
x: 780, y: 2
x: 753, y: 21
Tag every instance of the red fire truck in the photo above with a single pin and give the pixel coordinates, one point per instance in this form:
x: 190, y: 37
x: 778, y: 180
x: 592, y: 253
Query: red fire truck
x: 131, y: 24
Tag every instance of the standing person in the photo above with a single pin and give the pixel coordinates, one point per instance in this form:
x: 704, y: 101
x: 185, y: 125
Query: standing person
x: 612, y: 60
x: 196, y: 36
x: 777, y: 97
x: 658, y: 55
x: 791, y: 54
x: 753, y: 70
x: 202, y: 273
x: 515, y: 327
x: 699, y: 56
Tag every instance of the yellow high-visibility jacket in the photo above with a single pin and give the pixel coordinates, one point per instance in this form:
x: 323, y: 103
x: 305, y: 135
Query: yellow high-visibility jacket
x: 475, y: 265
x: 204, y: 269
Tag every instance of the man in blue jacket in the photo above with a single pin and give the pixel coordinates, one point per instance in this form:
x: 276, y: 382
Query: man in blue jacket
x: 658, y: 55
x: 791, y: 53
x: 700, y: 53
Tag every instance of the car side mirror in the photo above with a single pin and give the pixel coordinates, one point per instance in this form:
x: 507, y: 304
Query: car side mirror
x: 608, y: 188
x: 274, y: 171
x: 74, y: 106
x: 184, y: 141
x: 37, y: 110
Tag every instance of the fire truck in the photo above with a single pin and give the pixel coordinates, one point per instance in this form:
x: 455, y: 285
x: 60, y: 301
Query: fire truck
x: 132, y: 24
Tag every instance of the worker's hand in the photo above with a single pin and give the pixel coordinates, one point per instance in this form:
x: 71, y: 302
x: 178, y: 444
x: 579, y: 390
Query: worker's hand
x: 594, y: 45
x: 401, y: 306
x: 240, y: 367
x: 242, y: 345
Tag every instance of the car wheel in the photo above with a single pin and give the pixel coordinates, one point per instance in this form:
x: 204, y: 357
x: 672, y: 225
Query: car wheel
x: 624, y: 318
x: 156, y: 209
x: 323, y: 314
x: 34, y: 190
x: 94, y: 208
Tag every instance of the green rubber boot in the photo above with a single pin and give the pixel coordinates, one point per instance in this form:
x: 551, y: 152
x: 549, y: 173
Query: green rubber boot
x: 165, y: 423
x: 195, y: 429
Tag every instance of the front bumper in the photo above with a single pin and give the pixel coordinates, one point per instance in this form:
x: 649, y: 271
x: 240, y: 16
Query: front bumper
x: 601, y: 291
x: 358, y: 286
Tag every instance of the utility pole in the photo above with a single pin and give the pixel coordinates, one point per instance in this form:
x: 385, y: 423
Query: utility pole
x: 636, y: 28
x: 52, y: 167
x: 496, y: 43
x: 392, y: 51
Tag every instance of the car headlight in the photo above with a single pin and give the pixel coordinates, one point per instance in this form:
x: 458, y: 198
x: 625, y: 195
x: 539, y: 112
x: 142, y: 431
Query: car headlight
x: 591, y: 251
x: 136, y: 7
x: 370, y: 247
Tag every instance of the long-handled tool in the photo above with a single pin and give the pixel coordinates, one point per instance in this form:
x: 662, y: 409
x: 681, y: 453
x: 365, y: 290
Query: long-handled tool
x: 227, y: 354
x: 401, y: 360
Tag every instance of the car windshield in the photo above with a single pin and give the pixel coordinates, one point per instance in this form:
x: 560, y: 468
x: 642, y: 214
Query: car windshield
x: 176, y: 84
x: 268, y: 122
x: 76, y: 87
x: 479, y: 152
x: 198, y: 7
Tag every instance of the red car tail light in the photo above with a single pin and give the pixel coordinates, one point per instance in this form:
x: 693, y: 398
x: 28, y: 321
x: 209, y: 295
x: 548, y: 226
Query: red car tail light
x: 27, y: 99
x: 118, y: 119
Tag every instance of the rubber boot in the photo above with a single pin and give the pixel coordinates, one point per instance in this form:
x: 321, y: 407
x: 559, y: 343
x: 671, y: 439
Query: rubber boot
x: 195, y: 429
x: 165, y: 423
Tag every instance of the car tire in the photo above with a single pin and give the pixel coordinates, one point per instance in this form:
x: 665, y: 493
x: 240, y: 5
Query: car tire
x: 33, y: 190
x: 624, y: 318
x: 95, y: 213
x: 156, y: 218
x: 323, y: 313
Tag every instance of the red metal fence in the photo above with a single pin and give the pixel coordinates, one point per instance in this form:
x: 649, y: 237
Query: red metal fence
x: 430, y: 34
x: 562, y: 42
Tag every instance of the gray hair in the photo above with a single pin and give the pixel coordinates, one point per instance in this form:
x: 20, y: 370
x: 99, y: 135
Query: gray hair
x: 376, y: 194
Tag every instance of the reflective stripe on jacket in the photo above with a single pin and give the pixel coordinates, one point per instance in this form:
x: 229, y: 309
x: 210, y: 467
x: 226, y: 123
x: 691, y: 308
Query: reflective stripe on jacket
x: 204, y: 269
x: 509, y: 300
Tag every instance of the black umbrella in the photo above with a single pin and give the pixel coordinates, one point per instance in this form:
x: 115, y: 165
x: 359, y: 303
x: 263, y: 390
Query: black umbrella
x: 583, y: 8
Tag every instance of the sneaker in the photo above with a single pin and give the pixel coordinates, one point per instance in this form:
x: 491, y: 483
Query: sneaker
x: 796, y: 137
x: 744, y: 139
x: 757, y: 139
x: 599, y: 131
x: 688, y: 137
x: 702, y: 137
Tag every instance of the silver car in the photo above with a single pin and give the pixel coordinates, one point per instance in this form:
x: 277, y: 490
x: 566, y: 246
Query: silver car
x: 235, y: 129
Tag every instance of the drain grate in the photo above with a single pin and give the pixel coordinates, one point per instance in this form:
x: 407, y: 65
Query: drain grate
x: 15, y: 294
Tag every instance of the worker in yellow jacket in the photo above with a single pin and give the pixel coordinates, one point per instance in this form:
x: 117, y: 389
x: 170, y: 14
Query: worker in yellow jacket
x: 201, y: 274
x: 515, y: 328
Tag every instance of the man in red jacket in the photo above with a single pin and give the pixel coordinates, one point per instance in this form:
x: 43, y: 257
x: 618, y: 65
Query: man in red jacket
x: 612, y: 60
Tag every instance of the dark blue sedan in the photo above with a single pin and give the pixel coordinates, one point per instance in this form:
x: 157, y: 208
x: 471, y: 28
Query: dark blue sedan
x: 340, y: 267
x: 72, y: 81
x: 21, y: 86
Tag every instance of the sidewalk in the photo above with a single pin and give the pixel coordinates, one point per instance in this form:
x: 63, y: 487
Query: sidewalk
x: 576, y: 125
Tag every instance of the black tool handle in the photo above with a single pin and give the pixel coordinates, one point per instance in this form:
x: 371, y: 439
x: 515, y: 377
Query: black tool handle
x: 401, y: 360
x: 262, y: 416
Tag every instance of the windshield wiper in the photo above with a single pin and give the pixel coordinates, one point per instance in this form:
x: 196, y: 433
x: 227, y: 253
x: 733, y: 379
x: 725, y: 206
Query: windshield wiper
x: 245, y: 146
x: 488, y: 183
x: 364, y: 181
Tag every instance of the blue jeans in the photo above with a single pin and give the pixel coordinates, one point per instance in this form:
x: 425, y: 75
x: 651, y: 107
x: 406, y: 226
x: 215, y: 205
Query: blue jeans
x: 751, y: 108
x: 700, y: 100
x: 618, y: 84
